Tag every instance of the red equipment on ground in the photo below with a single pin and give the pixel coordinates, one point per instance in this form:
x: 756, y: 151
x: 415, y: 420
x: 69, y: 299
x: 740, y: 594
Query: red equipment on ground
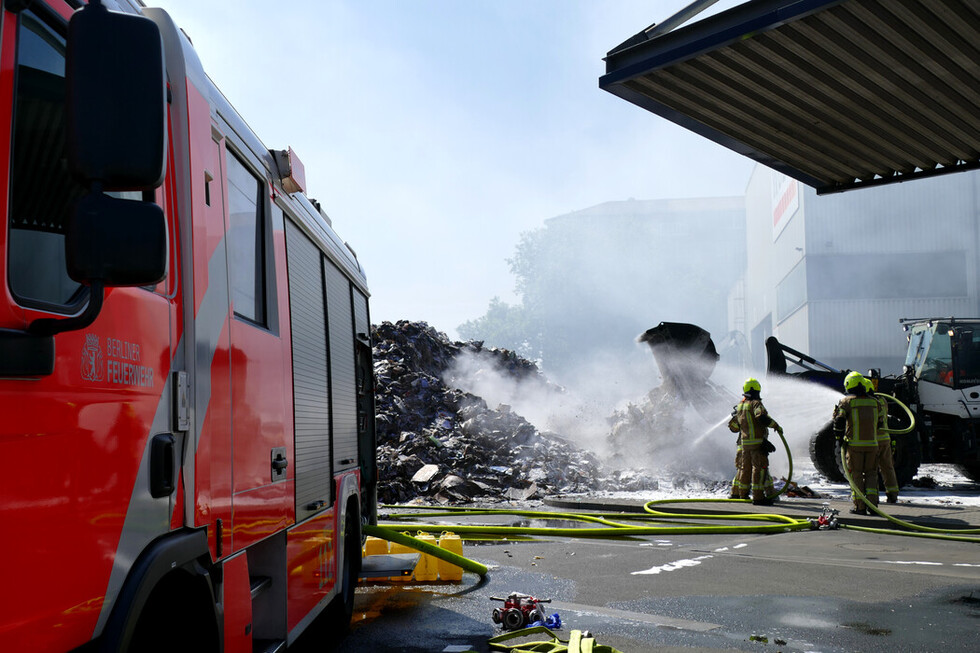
x: 519, y: 610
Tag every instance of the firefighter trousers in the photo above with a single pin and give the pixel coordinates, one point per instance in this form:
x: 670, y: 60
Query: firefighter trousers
x: 886, y: 465
x: 862, y: 465
x: 740, y: 491
x: 752, y: 474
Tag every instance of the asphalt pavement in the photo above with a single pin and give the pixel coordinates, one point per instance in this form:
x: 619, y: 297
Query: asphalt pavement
x: 827, y: 590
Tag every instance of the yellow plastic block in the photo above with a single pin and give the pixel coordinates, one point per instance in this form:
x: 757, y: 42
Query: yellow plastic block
x: 427, y: 569
x: 447, y: 570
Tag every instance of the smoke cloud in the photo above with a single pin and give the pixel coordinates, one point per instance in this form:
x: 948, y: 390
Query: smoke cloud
x: 658, y: 435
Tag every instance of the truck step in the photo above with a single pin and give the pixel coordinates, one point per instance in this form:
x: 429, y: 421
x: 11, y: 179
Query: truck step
x: 259, y: 584
x: 268, y: 646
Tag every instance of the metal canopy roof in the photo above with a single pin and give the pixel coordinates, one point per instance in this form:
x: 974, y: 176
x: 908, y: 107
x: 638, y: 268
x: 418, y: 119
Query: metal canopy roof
x: 839, y: 94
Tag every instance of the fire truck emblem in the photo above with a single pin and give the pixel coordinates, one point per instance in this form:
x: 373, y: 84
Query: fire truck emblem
x: 93, y: 364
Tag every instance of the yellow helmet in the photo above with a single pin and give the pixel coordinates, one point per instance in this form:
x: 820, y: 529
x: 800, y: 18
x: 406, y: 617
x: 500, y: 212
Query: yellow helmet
x: 751, y: 384
x: 868, y: 384
x: 852, y: 380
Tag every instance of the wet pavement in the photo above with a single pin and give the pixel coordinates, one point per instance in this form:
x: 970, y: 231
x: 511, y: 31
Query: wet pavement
x: 827, y: 590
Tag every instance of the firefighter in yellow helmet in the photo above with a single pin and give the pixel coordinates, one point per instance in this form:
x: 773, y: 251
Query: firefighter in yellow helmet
x: 856, y: 420
x: 753, y: 422
x: 886, y: 462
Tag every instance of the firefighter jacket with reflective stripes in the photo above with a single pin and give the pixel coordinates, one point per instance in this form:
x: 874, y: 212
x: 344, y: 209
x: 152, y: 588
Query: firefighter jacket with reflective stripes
x: 859, y: 417
x: 883, y: 435
x: 753, y: 423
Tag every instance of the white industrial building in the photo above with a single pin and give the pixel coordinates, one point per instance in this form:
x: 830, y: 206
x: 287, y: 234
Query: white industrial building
x: 831, y: 275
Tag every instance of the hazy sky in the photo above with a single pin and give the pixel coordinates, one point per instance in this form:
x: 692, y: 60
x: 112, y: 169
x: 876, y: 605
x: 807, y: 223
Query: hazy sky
x: 435, y: 132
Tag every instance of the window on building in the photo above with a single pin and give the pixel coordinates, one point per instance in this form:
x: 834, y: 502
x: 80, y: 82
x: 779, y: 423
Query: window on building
x: 246, y: 242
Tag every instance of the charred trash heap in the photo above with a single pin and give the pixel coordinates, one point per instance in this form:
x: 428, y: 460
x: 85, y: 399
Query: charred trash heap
x: 439, y: 443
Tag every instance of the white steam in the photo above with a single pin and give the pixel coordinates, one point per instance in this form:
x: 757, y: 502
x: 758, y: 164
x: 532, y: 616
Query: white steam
x: 677, y: 442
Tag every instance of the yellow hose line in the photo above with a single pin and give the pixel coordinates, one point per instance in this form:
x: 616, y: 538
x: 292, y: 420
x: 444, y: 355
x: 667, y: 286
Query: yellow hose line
x: 924, y: 531
x: 738, y: 517
x: 907, y: 412
x: 610, y: 528
x: 889, y: 531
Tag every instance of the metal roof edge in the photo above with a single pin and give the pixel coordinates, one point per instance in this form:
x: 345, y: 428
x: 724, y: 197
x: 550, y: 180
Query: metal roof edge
x: 707, y: 34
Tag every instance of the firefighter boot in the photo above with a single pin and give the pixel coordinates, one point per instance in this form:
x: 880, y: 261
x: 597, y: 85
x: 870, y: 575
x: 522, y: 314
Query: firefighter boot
x: 892, y: 497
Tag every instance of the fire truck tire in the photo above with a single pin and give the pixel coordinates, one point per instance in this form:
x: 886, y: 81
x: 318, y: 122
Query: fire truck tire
x: 970, y: 470
x: 165, y: 579
x: 344, y: 603
x: 825, y: 454
x: 178, y: 616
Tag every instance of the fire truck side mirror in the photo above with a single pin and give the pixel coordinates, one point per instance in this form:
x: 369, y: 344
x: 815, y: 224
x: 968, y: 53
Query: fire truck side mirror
x: 116, y: 242
x: 116, y: 109
x: 109, y: 242
x: 116, y: 100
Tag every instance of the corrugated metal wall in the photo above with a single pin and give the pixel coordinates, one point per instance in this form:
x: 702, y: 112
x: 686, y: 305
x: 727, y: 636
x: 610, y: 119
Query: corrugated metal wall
x: 932, y: 215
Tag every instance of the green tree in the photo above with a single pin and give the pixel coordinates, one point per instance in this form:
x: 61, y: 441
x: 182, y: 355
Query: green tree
x: 502, y: 325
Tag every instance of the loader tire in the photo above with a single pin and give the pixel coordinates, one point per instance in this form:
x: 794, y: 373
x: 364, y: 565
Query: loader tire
x: 825, y: 454
x: 971, y: 470
x: 907, y: 457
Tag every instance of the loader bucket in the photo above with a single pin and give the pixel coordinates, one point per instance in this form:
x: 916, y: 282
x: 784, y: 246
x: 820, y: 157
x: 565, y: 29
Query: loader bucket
x: 684, y: 353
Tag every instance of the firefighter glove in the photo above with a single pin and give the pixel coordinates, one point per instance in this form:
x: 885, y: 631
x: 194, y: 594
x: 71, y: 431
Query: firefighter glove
x: 769, y: 447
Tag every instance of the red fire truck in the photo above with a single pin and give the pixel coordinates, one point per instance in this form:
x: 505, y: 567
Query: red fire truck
x: 185, y: 365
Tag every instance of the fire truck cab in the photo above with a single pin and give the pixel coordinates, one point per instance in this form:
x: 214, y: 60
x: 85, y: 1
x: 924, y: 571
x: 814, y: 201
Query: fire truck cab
x: 185, y: 358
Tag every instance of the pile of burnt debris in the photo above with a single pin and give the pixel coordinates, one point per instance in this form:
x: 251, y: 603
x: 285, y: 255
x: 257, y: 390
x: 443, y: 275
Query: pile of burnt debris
x: 443, y: 444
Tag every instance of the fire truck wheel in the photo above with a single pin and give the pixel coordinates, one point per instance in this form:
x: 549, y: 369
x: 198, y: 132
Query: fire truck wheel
x: 352, y: 565
x: 180, y: 599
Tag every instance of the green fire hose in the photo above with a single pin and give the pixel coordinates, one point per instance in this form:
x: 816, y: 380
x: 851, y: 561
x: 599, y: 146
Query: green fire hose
x: 654, y: 521
x: 918, y: 531
x: 957, y: 534
x: 424, y: 547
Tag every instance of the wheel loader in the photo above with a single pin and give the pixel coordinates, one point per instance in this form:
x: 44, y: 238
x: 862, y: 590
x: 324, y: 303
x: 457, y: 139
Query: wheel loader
x: 940, y: 383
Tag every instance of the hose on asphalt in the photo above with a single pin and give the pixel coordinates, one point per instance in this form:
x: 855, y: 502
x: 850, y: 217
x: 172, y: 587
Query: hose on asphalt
x: 918, y: 530
x: 605, y: 526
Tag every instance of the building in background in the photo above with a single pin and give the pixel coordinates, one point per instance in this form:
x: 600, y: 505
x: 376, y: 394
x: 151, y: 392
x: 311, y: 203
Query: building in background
x: 592, y: 280
x: 831, y: 275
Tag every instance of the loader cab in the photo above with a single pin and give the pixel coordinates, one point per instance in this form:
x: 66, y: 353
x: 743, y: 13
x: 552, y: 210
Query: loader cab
x: 945, y: 353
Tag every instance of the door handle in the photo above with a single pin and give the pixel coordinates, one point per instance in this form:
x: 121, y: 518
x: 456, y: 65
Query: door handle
x: 279, y: 463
